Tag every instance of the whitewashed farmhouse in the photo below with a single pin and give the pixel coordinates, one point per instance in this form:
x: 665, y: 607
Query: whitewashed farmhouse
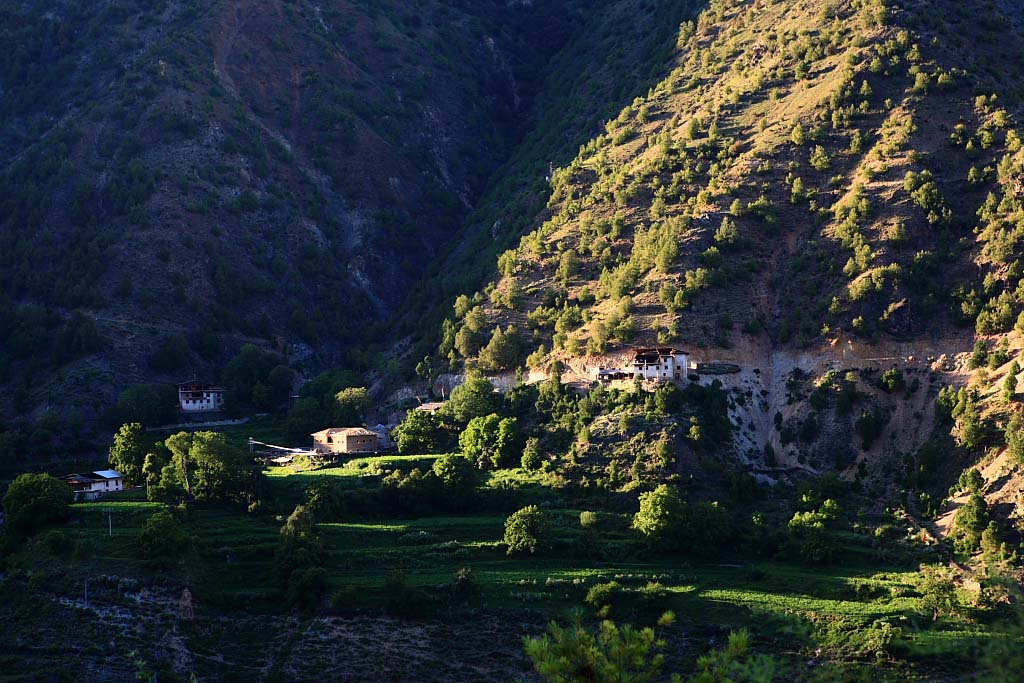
x: 661, y: 363
x: 92, y: 485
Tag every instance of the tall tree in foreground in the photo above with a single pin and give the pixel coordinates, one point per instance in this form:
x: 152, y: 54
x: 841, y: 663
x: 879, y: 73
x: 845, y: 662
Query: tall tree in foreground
x: 128, y: 454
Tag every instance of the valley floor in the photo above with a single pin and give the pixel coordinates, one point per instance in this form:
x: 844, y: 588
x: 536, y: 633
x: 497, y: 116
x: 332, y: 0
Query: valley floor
x: 393, y: 615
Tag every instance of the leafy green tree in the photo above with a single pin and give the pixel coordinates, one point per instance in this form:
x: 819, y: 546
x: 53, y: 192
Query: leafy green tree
x: 798, y: 136
x: 350, y: 406
x: 152, y: 466
x: 531, y: 459
x: 458, y: 476
x: 811, y: 532
x: 325, y: 499
x: 489, y: 441
x: 421, y: 432
x: 162, y: 537
x: 992, y: 547
x: 35, y: 500
x: 149, y: 404
x: 1010, y: 384
x: 970, y: 522
x: 733, y: 663
x: 526, y: 530
x: 820, y: 159
x: 208, y: 467
x: 892, y: 380
x: 254, y: 380
x: 304, y: 418
x: 11, y: 444
x: 937, y: 585
x: 171, y: 356
x: 299, y: 559
x: 502, y: 352
x: 474, y: 398
x: 613, y: 654
x: 660, y: 516
x: 575, y: 654
x: 128, y: 454
x: 1002, y: 660
x: 1014, y: 436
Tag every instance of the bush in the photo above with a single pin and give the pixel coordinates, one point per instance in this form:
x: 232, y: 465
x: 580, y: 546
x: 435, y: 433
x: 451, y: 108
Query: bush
x: 526, y: 530
x: 589, y: 519
x: 34, y: 500
x: 161, y: 537
x: 601, y: 594
x: 464, y: 585
x: 531, y: 459
x: 660, y: 516
x: 149, y: 404
x: 171, y: 356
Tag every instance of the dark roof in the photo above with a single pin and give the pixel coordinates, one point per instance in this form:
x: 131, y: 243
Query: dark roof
x: 87, y: 477
x: 653, y: 355
x: 205, y: 385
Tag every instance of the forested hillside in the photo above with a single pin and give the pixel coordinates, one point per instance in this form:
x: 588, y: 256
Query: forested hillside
x: 805, y: 172
x: 432, y: 238
x: 183, y: 177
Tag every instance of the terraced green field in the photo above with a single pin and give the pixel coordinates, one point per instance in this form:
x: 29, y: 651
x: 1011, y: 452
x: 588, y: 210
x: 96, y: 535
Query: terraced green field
x: 855, y: 610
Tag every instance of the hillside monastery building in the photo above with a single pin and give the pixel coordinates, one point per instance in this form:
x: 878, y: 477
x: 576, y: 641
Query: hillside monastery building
x: 661, y: 363
x: 200, y: 397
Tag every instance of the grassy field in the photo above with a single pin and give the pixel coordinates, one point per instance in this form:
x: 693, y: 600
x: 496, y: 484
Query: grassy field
x: 857, y: 610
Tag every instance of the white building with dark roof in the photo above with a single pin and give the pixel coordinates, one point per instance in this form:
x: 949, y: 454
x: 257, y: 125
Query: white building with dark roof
x: 92, y: 485
x: 200, y: 397
x: 660, y: 363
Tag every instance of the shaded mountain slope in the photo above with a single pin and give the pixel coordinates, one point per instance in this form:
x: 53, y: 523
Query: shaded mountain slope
x: 270, y: 171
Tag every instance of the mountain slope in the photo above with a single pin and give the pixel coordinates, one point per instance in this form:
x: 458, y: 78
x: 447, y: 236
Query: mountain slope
x: 270, y: 171
x: 827, y: 194
x: 808, y: 171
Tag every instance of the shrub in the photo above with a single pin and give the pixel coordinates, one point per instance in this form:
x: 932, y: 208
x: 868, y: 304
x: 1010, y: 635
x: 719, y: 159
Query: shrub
x: 601, y: 594
x: 35, y: 500
x: 531, y: 459
x: 526, y: 530
x: 464, y: 585
x: 161, y: 537
x: 970, y: 522
x: 660, y: 516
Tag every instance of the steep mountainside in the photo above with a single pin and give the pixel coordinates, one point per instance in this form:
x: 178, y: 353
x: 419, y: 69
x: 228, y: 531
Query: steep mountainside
x: 807, y: 172
x: 211, y: 173
x: 828, y: 194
